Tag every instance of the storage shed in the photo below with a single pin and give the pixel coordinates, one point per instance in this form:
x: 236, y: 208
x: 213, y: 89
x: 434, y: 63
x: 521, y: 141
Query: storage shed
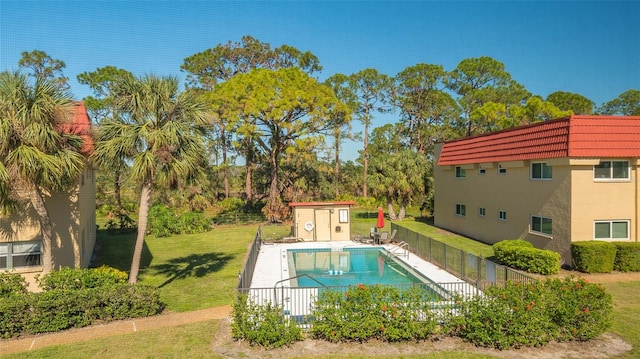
x: 322, y: 221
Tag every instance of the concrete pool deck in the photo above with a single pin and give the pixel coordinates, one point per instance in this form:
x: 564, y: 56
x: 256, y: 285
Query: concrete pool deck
x: 272, y: 263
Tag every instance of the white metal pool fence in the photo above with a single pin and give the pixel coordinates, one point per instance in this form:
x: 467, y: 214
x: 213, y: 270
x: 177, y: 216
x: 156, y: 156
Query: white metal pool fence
x: 298, y: 302
x: 478, y: 271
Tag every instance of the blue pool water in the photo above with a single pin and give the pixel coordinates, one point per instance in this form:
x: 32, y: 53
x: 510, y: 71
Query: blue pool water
x: 351, y: 266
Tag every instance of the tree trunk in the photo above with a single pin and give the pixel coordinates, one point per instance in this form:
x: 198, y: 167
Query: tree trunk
x: 274, y: 204
x: 143, y: 214
x: 116, y: 191
x: 225, y: 166
x: 365, y: 156
x: 392, y: 212
x: 46, y: 227
x: 337, y: 167
x: 402, y: 213
x: 248, y: 169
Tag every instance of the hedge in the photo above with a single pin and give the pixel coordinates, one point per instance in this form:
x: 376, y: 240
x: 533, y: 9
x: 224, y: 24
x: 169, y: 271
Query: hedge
x: 627, y: 257
x: 522, y: 255
x: 593, y: 256
x: 61, y: 309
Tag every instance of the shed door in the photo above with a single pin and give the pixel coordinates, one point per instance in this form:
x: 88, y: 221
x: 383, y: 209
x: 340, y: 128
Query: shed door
x: 323, y: 224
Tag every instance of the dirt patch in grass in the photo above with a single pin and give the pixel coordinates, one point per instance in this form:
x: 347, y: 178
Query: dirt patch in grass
x: 605, y: 346
x: 615, y: 277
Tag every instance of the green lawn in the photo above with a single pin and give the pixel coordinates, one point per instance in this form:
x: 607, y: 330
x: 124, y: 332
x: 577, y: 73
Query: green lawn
x: 626, y: 314
x: 193, y: 271
x: 199, y: 271
x: 466, y: 244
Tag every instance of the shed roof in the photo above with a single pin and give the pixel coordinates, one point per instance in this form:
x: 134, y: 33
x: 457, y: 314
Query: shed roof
x: 573, y: 136
x: 318, y: 204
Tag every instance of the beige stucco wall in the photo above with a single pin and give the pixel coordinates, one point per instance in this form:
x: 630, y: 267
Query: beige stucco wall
x: 572, y: 199
x: 514, y: 192
x: 73, y: 216
x: 325, y: 220
x: 603, y: 200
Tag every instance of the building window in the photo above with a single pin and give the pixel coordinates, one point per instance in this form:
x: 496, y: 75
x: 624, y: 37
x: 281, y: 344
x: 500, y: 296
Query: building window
x: 502, y: 215
x: 19, y: 254
x: 542, y: 225
x: 611, y: 170
x: 460, y: 172
x: 611, y: 230
x: 482, y: 171
x: 502, y: 171
x: 482, y: 211
x: 540, y: 171
x: 461, y: 210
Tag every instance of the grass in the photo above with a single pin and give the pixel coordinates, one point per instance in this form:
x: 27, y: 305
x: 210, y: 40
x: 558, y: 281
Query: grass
x: 626, y: 314
x: 193, y: 271
x: 199, y: 271
x: 185, y: 341
x: 466, y: 244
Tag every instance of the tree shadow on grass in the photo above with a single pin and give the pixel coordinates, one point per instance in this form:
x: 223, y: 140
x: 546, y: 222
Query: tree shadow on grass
x: 116, y: 250
x: 194, y: 265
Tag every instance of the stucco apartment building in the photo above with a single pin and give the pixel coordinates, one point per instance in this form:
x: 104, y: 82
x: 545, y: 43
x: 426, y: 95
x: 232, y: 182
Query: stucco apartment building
x: 72, y: 214
x: 550, y: 183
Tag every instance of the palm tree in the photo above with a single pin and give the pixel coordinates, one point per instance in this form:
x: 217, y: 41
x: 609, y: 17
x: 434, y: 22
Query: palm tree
x: 37, y: 158
x: 158, y: 134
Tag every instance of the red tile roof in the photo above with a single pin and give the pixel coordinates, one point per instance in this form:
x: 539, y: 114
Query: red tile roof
x: 574, y: 136
x: 81, y: 125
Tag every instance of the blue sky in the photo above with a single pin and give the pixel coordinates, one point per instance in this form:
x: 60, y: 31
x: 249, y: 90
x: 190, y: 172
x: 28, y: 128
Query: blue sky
x: 587, y: 47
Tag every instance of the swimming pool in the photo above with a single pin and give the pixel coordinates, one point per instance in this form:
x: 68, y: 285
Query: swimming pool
x: 348, y: 266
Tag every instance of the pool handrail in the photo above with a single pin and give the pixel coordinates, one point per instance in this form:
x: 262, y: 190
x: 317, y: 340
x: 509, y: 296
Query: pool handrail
x: 275, y: 286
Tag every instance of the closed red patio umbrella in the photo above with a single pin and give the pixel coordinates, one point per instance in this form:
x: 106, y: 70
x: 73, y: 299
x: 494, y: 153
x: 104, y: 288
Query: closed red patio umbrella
x: 380, y: 223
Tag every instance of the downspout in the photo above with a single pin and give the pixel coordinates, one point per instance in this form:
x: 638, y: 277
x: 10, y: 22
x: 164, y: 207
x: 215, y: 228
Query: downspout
x: 637, y: 200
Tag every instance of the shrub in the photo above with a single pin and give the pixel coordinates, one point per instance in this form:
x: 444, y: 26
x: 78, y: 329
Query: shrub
x: 580, y: 310
x: 164, y: 222
x: 519, y: 315
x: 67, y: 278
x: 194, y: 222
x: 123, y: 223
x: 373, y: 312
x: 264, y: 325
x: 627, y: 257
x: 15, y: 314
x: 593, y: 256
x: 231, y: 204
x: 520, y: 254
x: 57, y: 310
x: 11, y: 284
x: 506, y: 317
x: 504, y: 250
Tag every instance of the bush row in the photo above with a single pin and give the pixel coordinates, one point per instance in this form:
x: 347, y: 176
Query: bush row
x: 374, y: 312
x: 509, y: 316
x: 531, y: 315
x: 521, y: 254
x: 60, y: 309
x: 605, y: 257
